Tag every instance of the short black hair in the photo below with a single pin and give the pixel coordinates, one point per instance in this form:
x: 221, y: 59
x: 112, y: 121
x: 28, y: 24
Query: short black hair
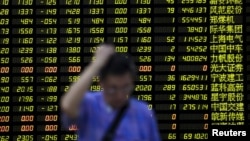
x: 118, y: 64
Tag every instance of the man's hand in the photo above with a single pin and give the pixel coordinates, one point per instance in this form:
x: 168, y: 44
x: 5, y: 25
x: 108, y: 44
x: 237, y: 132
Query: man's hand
x: 103, y: 53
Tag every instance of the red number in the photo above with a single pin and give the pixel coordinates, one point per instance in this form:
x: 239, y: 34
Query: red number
x: 50, y: 69
x: 173, y: 68
x: 173, y: 126
x: 205, y: 116
x: 26, y: 128
x: 27, y: 69
x: 173, y: 116
x: 204, y: 68
x: 4, y: 118
x: 145, y: 68
x: 27, y: 118
x: 4, y: 128
x: 4, y: 69
x: 51, y: 118
x: 50, y: 127
x: 205, y: 126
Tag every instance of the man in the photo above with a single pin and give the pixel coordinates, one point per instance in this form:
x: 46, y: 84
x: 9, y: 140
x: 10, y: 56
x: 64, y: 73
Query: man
x: 93, y: 112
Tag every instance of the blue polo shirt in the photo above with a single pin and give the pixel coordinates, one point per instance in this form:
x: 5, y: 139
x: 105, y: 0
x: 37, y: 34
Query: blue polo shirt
x: 137, y: 124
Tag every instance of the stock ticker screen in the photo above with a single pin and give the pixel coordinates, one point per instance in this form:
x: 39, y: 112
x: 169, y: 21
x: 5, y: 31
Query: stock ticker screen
x: 192, y: 58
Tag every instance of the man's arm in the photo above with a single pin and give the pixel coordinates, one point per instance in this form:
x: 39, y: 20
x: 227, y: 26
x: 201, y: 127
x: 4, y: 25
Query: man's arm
x: 82, y: 116
x: 70, y: 102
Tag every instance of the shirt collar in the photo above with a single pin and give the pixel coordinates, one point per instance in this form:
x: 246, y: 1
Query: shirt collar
x: 106, y: 106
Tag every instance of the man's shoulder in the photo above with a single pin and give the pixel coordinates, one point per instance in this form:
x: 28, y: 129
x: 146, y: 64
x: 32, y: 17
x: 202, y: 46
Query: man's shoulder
x: 140, y: 106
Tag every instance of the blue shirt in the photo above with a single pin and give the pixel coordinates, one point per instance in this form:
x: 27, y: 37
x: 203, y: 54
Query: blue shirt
x: 137, y: 124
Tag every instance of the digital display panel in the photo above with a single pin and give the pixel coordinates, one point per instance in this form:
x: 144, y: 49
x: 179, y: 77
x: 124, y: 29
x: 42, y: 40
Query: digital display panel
x: 192, y: 58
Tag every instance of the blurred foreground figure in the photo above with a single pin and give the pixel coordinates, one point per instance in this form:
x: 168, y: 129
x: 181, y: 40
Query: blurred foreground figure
x: 108, y: 115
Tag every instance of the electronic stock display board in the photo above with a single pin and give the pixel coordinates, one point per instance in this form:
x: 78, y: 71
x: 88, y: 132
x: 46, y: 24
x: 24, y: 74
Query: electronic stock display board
x: 192, y: 58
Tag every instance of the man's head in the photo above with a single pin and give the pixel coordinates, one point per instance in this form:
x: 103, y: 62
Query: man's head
x: 117, y: 79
